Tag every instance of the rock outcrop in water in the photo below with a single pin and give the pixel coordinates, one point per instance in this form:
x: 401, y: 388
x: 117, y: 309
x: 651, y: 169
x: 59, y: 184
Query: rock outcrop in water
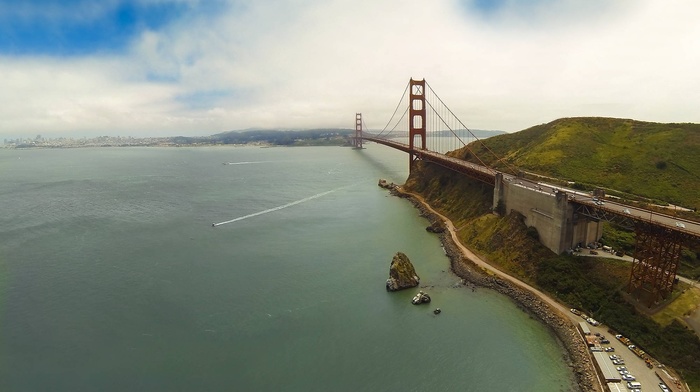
x: 402, y: 275
x: 386, y: 185
x: 421, y: 298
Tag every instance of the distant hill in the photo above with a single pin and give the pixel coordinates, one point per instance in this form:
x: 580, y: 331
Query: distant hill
x: 654, y: 160
x: 283, y: 137
x: 319, y: 136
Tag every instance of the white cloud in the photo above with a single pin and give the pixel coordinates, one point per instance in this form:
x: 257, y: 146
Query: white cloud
x: 316, y: 63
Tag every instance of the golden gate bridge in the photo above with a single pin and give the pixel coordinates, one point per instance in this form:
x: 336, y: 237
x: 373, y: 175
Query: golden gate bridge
x: 425, y: 128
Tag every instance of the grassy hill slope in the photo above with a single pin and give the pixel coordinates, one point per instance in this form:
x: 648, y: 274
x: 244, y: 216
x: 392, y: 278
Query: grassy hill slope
x: 657, y: 161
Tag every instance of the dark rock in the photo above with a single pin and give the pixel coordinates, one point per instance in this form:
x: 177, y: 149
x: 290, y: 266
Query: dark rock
x: 386, y: 185
x: 421, y: 298
x: 436, y: 227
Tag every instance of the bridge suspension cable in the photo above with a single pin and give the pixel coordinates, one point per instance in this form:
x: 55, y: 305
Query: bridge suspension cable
x: 442, y: 119
x: 438, y: 129
x: 398, y: 105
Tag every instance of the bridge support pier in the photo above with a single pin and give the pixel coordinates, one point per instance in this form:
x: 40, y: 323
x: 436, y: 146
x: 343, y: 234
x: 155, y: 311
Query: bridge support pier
x: 499, y: 202
x: 656, y: 259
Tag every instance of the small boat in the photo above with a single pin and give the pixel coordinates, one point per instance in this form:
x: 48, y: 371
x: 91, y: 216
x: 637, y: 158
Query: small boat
x: 437, y: 311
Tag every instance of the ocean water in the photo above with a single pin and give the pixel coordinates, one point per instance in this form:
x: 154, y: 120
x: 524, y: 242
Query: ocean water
x: 112, y: 278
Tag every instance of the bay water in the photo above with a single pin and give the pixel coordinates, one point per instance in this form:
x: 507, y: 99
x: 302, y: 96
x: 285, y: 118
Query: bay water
x: 112, y: 278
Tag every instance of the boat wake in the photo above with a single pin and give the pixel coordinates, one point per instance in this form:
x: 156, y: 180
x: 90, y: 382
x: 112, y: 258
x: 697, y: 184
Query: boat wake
x: 316, y: 196
x: 246, y: 162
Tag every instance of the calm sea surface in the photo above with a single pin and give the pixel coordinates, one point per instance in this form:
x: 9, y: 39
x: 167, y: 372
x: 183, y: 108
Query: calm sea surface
x: 112, y: 278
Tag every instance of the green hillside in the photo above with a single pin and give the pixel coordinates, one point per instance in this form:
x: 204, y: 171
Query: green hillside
x: 653, y: 160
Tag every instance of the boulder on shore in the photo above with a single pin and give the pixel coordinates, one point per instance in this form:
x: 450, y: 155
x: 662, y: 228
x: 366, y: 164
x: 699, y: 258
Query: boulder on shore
x: 437, y: 227
x: 402, y: 275
x: 386, y: 185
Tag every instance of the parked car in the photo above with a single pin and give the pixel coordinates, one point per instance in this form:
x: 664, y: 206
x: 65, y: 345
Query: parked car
x: 609, y: 349
x: 628, y: 377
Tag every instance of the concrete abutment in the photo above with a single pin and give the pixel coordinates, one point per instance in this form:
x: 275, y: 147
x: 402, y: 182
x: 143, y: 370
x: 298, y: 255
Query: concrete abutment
x: 551, y: 213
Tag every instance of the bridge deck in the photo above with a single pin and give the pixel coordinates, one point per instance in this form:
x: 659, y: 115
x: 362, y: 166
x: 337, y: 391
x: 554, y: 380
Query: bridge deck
x: 609, y: 210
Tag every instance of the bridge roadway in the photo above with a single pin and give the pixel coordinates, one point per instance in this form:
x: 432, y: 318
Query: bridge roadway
x: 612, y: 207
x: 483, y: 173
x: 608, y: 206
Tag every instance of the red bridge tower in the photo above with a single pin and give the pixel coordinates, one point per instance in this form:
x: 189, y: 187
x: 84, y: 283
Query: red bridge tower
x: 357, y: 141
x: 416, y: 112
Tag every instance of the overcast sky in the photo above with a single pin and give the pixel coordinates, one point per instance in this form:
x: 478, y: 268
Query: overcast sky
x: 189, y: 67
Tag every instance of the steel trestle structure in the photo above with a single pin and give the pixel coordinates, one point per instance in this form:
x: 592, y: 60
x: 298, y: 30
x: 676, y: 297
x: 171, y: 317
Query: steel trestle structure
x: 656, y: 257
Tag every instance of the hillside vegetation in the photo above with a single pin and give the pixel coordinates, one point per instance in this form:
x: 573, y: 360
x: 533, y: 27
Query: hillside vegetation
x: 591, y: 284
x: 657, y: 161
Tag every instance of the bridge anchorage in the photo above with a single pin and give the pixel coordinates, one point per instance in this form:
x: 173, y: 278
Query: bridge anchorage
x: 564, y: 218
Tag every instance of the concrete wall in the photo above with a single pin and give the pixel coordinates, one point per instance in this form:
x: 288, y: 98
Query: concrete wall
x: 586, y: 231
x: 550, y: 213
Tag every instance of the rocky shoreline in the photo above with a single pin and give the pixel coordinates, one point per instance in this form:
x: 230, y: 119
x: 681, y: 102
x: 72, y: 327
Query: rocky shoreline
x: 577, y: 354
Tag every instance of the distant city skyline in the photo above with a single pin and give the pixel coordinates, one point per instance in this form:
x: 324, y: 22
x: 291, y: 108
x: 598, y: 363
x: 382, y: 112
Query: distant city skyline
x: 153, y: 68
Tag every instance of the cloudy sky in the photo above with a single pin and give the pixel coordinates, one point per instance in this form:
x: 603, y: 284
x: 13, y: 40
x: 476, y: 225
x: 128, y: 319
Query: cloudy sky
x: 198, y: 67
